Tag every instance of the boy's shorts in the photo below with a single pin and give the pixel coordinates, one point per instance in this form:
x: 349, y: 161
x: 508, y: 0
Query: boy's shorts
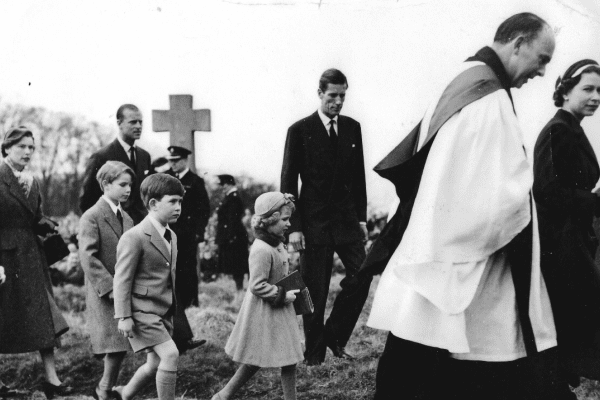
x: 150, y: 330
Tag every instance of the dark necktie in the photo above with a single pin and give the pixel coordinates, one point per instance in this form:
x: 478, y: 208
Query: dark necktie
x: 333, y: 137
x: 120, y: 218
x: 132, y: 155
x: 167, y: 235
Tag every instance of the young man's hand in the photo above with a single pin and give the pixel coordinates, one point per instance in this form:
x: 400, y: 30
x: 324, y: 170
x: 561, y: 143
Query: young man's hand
x: 125, y: 327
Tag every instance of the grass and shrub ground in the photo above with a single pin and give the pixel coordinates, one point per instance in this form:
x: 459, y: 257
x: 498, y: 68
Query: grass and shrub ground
x: 204, y: 371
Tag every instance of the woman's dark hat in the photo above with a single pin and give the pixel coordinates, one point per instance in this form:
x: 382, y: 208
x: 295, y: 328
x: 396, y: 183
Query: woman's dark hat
x: 177, y: 153
x: 226, y: 179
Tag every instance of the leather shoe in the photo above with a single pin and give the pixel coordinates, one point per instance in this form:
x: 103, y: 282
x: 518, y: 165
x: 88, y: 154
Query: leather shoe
x: 339, y: 352
x: 312, y: 363
x: 51, y: 390
x: 6, y: 391
x: 194, y: 343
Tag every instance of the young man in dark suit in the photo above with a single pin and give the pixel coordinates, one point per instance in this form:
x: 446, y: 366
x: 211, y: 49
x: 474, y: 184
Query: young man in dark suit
x: 325, y: 151
x: 123, y: 148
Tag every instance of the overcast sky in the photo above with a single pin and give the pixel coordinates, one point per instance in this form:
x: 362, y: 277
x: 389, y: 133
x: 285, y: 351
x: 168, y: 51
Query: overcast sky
x: 256, y: 65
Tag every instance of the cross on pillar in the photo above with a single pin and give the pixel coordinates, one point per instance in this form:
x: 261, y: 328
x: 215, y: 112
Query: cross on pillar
x: 182, y: 121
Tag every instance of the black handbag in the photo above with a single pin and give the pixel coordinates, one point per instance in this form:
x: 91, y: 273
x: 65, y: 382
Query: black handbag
x: 55, y: 248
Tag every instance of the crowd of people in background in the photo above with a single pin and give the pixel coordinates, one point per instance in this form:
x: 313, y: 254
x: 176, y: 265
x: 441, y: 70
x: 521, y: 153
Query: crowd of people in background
x: 488, y: 288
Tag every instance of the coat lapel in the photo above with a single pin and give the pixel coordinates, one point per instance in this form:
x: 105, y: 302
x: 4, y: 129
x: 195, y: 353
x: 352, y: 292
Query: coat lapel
x: 345, y: 142
x: 157, y: 240
x: 110, y: 217
x: 14, y: 187
x: 173, y: 258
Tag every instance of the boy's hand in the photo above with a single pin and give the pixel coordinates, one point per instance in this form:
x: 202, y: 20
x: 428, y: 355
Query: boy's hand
x: 125, y: 327
x: 111, y: 295
x: 2, y: 275
x: 290, y: 296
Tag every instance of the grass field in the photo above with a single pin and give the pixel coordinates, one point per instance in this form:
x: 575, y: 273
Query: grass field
x: 204, y: 371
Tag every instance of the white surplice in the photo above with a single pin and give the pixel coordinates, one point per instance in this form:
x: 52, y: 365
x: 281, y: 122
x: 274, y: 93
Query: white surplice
x: 448, y: 284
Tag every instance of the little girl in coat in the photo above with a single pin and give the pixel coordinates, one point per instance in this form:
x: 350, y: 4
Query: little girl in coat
x: 266, y: 333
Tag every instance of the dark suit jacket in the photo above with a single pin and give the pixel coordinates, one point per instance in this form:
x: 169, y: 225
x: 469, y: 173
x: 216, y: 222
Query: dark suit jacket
x: 195, y: 211
x: 115, y: 152
x: 333, y: 198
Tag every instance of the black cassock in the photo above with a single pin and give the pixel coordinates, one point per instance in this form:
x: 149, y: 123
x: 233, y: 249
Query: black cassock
x: 566, y: 171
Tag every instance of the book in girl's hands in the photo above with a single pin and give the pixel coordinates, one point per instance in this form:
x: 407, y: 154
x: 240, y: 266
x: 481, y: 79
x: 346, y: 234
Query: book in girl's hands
x: 303, y: 303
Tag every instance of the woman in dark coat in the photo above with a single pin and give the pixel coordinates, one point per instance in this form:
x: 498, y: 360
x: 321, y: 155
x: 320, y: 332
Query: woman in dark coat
x: 566, y: 173
x: 29, y: 317
x: 232, y: 237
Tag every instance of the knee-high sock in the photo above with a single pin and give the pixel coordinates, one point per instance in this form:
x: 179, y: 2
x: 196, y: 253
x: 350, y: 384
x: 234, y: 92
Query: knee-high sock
x: 165, y: 384
x: 288, y: 382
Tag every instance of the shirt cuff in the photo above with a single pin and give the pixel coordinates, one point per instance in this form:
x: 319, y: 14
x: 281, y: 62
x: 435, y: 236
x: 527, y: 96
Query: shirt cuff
x: 362, y: 223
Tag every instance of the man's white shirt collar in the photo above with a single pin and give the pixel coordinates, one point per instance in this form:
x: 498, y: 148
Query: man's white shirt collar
x: 182, y: 173
x: 326, y: 121
x: 112, y: 205
x: 126, y: 146
x: 231, y: 191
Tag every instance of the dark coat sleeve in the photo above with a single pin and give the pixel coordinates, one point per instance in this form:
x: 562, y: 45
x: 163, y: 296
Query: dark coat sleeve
x: 359, y: 188
x: 555, y: 174
x: 91, y: 191
x: 293, y: 157
x: 201, y: 207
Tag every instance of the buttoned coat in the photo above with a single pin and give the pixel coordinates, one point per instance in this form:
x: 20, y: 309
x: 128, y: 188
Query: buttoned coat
x: 29, y: 317
x: 99, y: 234
x: 145, y: 272
x: 566, y: 171
x: 114, y: 151
x: 333, y: 198
x: 190, y: 226
x: 232, y: 236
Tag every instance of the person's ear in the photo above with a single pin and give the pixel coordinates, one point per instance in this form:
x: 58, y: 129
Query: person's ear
x: 320, y: 93
x: 152, y: 203
x: 518, y: 42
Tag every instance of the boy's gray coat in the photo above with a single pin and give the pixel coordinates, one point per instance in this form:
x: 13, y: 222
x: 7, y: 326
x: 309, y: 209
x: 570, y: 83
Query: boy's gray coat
x: 99, y: 234
x: 142, y: 272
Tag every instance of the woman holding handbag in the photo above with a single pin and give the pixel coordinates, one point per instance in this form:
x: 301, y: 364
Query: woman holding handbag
x: 29, y: 317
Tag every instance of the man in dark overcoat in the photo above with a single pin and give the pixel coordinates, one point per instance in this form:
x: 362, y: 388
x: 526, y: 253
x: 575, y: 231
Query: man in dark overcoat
x: 189, y: 228
x: 124, y: 149
x: 325, y: 151
x: 232, y: 237
x: 195, y: 210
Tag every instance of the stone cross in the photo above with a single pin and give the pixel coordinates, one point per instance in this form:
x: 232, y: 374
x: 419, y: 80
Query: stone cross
x: 182, y: 121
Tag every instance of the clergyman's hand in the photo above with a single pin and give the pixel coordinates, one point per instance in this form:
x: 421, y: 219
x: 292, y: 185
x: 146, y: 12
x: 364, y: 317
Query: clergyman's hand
x: 363, y: 228
x: 297, y: 241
